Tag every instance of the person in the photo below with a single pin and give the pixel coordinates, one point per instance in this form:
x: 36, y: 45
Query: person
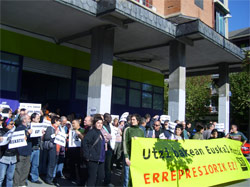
x: 189, y: 129
x: 179, y: 135
x: 177, y: 121
x: 88, y: 122
x: 236, y: 135
x: 167, y: 134
x: 58, y: 172
x: 207, y: 133
x: 35, y: 154
x: 117, y: 153
x: 143, y: 124
x: 214, y: 134
x: 8, y: 157
x: 23, y: 165
x: 199, y: 131
x: 185, y: 133
x: 74, y: 152
x: 94, y: 153
x: 157, y: 130
x: 109, y: 151
x: 129, y: 133
x: 50, y: 151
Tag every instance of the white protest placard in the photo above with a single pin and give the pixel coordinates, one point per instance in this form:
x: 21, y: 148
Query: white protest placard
x: 37, y: 129
x: 220, y: 127
x: 92, y: 111
x: 4, y: 105
x: 17, y: 139
x: 164, y: 118
x: 124, y: 116
x: 7, y: 137
x: 31, y: 107
x: 114, y: 116
x: 60, y: 139
x: 74, y: 140
x: 171, y: 126
x: 46, y: 124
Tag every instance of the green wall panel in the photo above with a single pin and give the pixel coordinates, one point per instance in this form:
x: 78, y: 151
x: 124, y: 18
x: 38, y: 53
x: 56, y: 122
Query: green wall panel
x: 39, y: 49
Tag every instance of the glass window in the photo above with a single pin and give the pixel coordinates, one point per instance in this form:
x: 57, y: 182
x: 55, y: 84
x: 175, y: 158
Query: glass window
x: 158, y: 90
x: 157, y: 103
x: 134, y: 98
x: 199, y: 3
x: 81, y: 90
x: 219, y: 22
x: 135, y: 85
x: 64, y: 89
x: 147, y: 87
x: 118, y: 95
x: 119, y: 82
x: 146, y: 100
x: 9, y: 71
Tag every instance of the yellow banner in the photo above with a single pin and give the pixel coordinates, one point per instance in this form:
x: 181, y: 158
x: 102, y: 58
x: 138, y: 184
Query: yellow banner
x: 156, y: 162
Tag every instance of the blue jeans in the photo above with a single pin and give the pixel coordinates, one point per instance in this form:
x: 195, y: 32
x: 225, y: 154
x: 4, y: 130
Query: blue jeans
x: 59, y: 167
x: 34, y: 161
x: 126, y: 174
x: 9, y: 170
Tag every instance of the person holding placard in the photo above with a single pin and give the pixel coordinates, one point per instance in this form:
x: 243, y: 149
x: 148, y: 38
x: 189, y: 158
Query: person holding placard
x: 74, y: 152
x: 7, y: 156
x: 34, y: 159
x: 23, y: 165
x: 50, y: 148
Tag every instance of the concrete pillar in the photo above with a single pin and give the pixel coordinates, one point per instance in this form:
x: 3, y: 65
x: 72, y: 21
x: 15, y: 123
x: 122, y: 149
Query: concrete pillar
x: 223, y: 113
x: 177, y: 81
x: 101, y: 69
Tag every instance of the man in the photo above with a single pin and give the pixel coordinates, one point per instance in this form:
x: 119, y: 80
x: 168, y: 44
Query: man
x: 35, y: 155
x: 74, y: 152
x: 130, y: 132
x: 143, y: 124
x: 109, y: 152
x: 61, y: 157
x: 88, y: 122
x: 185, y: 133
x: 236, y: 135
x: 207, y: 133
x: 23, y: 165
x: 157, y: 130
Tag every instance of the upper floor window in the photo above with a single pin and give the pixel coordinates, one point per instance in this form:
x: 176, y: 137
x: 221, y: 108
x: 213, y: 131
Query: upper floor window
x: 199, y: 3
x: 220, y: 22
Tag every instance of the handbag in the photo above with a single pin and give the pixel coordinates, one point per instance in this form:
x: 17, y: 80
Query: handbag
x: 48, y: 144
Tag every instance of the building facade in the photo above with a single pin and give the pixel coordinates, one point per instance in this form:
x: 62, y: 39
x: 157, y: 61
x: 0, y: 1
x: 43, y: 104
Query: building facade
x: 110, y: 56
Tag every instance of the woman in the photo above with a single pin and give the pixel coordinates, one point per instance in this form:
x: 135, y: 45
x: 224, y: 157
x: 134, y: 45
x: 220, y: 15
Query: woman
x: 178, y: 134
x: 199, y: 132
x: 214, y: 134
x: 94, y: 153
x: 7, y: 156
x: 50, y: 148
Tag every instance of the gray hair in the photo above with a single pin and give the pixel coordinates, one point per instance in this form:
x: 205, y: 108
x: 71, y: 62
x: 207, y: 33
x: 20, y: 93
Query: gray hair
x: 63, y: 117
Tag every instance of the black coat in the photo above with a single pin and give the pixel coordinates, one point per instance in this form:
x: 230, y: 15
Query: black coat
x: 92, y: 151
x: 4, y: 150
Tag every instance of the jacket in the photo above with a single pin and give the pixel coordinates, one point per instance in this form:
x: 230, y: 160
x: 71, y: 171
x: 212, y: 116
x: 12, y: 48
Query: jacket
x: 129, y: 132
x: 93, y: 146
x: 25, y: 150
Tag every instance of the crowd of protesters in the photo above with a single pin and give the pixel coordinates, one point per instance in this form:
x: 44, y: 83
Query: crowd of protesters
x: 105, y: 143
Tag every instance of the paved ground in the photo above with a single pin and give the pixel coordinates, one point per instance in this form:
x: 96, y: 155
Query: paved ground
x: 117, y: 181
